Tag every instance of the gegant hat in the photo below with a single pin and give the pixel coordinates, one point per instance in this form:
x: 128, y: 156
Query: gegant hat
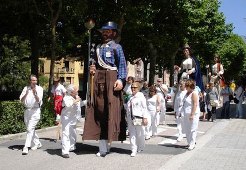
x: 109, y: 26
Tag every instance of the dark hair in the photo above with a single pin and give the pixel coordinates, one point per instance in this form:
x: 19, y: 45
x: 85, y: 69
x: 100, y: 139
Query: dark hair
x: 188, y: 48
x: 131, y: 78
x: 152, y: 88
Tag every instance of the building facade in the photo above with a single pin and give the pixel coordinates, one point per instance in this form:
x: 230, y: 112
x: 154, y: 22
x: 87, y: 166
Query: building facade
x: 69, y: 70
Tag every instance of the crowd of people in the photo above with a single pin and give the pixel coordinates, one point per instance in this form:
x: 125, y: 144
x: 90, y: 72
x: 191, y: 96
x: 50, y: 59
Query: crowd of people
x: 120, y: 103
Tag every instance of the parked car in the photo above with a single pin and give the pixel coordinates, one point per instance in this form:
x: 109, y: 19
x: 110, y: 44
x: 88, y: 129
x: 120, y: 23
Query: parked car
x: 170, y: 97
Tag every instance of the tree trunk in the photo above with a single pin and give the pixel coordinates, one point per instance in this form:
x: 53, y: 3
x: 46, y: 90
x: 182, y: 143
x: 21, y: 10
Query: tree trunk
x: 53, y: 58
x: 34, y: 40
x: 54, y: 18
x: 145, y: 68
x: 153, y: 55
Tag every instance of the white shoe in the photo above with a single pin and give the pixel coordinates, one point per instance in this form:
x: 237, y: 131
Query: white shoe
x: 101, y: 154
x: 72, y: 149
x: 25, y: 151
x: 191, y: 147
x: 133, y: 154
x: 35, y: 147
x: 180, y: 138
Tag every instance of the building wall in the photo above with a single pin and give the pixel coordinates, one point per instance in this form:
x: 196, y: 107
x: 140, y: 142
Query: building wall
x: 69, y: 70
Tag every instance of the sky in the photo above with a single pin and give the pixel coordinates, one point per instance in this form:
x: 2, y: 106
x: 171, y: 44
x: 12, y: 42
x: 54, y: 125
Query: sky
x: 235, y: 13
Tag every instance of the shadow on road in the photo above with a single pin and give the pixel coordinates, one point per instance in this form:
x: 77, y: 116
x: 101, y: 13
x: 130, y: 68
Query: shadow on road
x: 16, y: 147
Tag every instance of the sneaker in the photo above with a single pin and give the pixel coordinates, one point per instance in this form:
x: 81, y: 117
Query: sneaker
x: 180, y: 138
x: 101, y: 154
x: 65, y: 156
x: 35, y: 147
x: 133, y: 154
x: 25, y: 151
x: 191, y: 147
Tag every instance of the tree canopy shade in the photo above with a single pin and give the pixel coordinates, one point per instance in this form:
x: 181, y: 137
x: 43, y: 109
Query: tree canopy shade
x: 153, y: 30
x: 233, y: 56
x: 13, y: 71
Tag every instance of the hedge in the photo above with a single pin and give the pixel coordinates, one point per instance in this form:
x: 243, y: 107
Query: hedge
x: 12, y: 116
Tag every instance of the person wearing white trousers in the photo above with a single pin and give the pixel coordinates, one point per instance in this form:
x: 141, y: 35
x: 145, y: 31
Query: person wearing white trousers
x: 136, y: 109
x: 162, y: 91
x: 179, y: 114
x: 153, y: 107
x: 191, y: 110
x: 31, y: 97
x: 70, y: 115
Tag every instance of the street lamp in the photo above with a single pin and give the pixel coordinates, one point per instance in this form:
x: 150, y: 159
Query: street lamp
x: 89, y: 25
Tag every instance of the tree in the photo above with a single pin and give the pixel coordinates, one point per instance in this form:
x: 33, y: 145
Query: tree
x: 13, y: 73
x: 233, y: 56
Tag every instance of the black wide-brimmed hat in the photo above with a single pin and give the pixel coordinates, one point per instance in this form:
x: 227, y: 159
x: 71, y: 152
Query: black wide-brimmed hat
x: 109, y: 26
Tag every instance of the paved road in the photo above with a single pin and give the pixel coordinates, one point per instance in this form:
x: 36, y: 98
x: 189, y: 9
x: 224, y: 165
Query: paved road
x: 220, y: 145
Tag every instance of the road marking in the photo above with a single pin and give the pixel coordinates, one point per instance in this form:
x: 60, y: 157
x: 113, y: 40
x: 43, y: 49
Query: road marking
x: 168, y: 141
x: 160, y: 129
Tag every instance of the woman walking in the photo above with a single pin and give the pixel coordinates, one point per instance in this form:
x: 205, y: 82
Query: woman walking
x: 136, y: 119
x: 191, y: 113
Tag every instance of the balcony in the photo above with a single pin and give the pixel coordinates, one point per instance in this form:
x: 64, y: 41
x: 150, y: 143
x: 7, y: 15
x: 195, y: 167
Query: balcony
x: 64, y: 70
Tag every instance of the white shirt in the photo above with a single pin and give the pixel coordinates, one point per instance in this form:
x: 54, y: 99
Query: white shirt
x: 71, y: 109
x: 216, y: 71
x: 152, y: 103
x: 58, y: 90
x: 188, y: 104
x: 137, y: 105
x: 30, y: 101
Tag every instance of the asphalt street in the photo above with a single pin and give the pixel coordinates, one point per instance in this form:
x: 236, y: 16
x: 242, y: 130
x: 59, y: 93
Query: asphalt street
x: 161, y: 152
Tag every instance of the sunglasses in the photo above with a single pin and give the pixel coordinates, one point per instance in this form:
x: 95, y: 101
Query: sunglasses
x: 134, y: 87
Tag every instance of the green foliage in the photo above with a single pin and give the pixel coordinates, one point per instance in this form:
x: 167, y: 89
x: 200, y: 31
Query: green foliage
x: 12, y: 117
x: 43, y: 81
x: 47, y: 113
x: 233, y: 57
x: 14, y: 71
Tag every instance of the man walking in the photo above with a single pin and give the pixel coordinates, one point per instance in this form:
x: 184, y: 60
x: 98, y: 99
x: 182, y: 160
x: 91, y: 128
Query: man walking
x: 31, y: 97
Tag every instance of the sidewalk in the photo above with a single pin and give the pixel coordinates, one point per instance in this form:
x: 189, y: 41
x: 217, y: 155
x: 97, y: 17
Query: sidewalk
x: 223, y: 147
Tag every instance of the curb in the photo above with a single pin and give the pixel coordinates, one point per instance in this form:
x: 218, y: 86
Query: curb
x: 23, y: 134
